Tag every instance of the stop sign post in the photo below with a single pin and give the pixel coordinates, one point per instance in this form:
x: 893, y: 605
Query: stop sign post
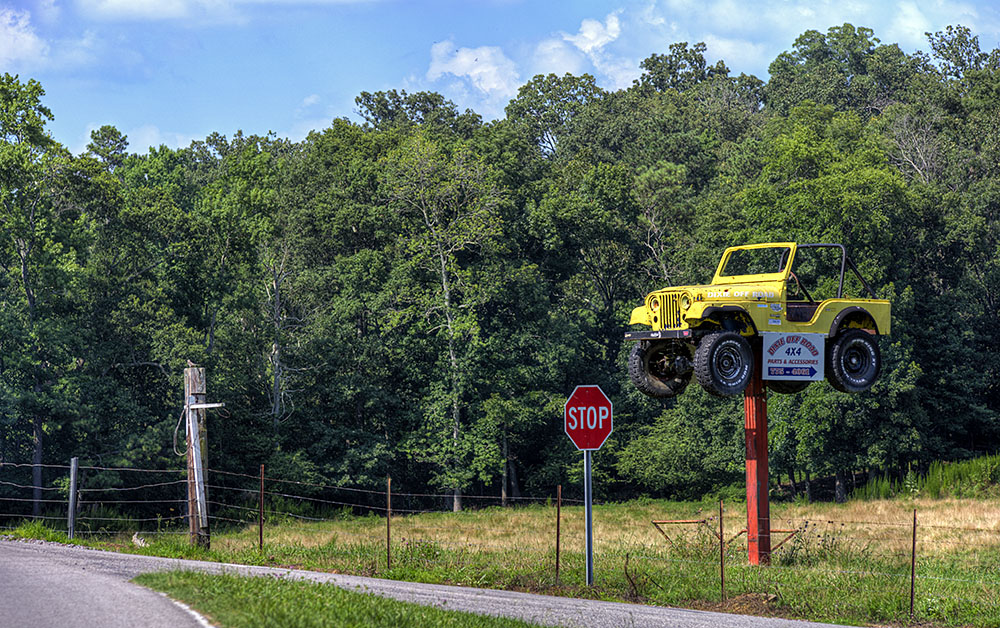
x: 588, y: 421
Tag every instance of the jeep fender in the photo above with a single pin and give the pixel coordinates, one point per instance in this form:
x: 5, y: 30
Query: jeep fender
x: 714, y: 310
x: 845, y: 313
x: 640, y: 316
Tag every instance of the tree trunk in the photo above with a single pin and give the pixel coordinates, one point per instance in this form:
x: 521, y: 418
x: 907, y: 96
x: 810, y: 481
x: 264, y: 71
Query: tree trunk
x: 840, y: 488
x: 791, y: 478
x: 453, y: 362
x: 503, y: 482
x: 808, y: 487
x: 515, y: 491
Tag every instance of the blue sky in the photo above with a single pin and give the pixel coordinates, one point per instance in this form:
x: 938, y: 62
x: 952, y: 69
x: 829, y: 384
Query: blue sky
x: 170, y: 71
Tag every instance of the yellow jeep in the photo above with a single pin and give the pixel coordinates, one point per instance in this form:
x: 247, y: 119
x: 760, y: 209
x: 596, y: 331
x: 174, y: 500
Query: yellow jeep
x: 778, y: 287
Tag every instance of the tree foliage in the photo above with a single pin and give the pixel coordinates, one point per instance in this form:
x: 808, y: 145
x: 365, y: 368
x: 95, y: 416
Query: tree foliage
x: 415, y: 295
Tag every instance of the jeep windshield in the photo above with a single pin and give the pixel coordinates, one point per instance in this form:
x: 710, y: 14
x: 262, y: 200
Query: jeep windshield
x: 755, y: 261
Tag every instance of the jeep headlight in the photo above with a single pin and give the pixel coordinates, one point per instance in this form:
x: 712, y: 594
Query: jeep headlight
x: 685, y: 301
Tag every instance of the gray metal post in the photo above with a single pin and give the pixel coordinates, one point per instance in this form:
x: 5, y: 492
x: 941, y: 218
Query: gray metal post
x: 588, y: 492
x: 74, y: 466
x: 194, y: 427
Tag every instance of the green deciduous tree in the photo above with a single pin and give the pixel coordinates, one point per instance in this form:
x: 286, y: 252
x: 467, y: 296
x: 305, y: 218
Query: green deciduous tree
x: 448, y: 200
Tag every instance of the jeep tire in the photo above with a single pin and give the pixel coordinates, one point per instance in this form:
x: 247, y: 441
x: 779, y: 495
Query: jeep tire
x: 652, y: 367
x: 723, y: 363
x: 853, y: 361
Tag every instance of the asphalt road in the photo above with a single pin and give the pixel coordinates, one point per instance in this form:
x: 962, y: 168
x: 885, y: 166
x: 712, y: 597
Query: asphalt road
x: 47, y: 585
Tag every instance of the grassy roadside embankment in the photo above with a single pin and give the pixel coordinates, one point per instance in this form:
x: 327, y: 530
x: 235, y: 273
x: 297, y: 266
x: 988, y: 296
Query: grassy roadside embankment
x: 847, y: 563
x: 266, y: 602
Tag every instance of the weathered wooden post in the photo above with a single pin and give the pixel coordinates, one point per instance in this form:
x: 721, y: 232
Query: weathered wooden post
x: 74, y: 466
x: 197, y: 455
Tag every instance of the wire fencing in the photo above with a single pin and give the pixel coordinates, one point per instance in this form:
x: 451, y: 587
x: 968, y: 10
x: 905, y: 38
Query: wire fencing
x: 891, y: 568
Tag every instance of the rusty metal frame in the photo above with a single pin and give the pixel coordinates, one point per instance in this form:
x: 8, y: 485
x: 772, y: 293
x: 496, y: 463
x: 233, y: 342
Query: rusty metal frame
x: 704, y: 522
x: 790, y: 534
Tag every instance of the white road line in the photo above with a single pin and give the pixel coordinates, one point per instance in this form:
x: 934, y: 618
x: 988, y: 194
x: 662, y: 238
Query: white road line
x: 198, y: 617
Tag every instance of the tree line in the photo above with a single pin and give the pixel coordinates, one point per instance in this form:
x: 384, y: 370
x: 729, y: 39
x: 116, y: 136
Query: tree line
x: 416, y: 294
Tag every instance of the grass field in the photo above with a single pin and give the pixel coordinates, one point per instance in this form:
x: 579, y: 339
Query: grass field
x: 847, y: 563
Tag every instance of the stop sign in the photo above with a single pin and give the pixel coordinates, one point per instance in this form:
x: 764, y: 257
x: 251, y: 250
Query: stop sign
x: 588, y: 417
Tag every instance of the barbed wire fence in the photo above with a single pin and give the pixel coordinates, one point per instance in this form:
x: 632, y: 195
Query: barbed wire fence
x: 895, y: 569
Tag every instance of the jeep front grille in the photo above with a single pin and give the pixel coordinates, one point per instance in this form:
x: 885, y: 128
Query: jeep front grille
x: 670, y: 310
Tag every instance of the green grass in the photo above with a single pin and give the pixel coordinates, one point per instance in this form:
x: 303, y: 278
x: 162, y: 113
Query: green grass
x: 976, y: 478
x: 38, y: 530
x: 271, y: 602
x: 847, y: 563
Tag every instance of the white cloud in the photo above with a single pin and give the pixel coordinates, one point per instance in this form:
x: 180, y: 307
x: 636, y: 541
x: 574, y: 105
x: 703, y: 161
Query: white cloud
x: 555, y: 56
x: 619, y: 72
x: 485, y: 67
x: 651, y: 17
x: 728, y: 49
x: 150, y: 136
x: 593, y: 39
x: 594, y: 36
x: 18, y: 42
x: 310, y: 100
x: 48, y: 10
x: 908, y: 26
x: 730, y: 15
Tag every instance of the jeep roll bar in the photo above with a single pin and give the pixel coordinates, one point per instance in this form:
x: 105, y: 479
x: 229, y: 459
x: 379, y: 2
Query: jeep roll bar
x: 845, y: 262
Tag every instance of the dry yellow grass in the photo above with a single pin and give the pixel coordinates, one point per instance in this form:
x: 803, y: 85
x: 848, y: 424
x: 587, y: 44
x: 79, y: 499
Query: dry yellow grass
x: 945, y: 526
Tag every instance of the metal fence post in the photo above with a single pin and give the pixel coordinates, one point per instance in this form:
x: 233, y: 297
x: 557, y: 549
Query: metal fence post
x: 558, y: 520
x: 913, y: 564
x: 388, y: 522
x: 74, y: 466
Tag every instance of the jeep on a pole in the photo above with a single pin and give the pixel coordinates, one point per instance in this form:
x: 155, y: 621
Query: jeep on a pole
x: 706, y: 330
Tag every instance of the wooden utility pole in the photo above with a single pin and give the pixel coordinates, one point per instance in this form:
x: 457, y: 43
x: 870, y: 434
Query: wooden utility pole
x: 197, y: 455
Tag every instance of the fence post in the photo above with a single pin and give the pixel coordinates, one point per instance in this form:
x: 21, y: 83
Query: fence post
x: 722, y: 555
x: 558, y: 518
x: 260, y: 525
x: 74, y: 465
x: 388, y: 522
x: 913, y: 564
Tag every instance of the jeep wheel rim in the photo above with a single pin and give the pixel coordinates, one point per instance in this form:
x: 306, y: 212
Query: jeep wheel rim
x: 856, y: 360
x: 729, y: 362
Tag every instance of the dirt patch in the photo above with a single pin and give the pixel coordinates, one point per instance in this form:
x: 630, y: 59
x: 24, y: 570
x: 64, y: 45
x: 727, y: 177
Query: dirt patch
x: 759, y: 604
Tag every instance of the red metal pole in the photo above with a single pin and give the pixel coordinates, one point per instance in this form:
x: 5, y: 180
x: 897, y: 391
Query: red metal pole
x: 758, y: 505
x: 722, y: 555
